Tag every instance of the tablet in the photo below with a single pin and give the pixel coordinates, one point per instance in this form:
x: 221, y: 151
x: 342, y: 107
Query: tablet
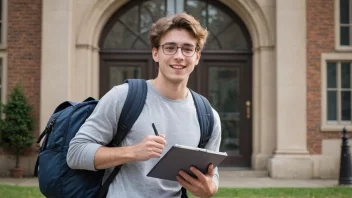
x: 181, y: 157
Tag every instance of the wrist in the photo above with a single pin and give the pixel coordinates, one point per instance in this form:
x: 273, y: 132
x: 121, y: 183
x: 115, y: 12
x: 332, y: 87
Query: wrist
x: 214, y: 188
x: 127, y: 153
x: 130, y: 153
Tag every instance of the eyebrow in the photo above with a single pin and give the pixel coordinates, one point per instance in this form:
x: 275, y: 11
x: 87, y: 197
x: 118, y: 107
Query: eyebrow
x: 173, y: 43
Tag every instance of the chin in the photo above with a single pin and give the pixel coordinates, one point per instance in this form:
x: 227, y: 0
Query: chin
x: 177, y: 80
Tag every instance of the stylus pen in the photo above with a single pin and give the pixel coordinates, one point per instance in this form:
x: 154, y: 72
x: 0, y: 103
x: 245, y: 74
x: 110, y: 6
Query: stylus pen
x: 155, y: 131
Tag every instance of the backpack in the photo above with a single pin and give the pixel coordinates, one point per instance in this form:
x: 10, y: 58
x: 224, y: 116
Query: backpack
x: 56, y: 179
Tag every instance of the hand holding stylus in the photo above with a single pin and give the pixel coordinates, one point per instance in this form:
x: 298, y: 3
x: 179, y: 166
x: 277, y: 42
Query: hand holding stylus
x: 151, y: 146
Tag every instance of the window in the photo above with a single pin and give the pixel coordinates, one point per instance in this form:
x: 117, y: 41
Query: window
x: 336, y: 73
x: 336, y: 91
x: 130, y: 30
x: 345, y: 22
x: 343, y: 27
x: 1, y: 22
x: 339, y: 91
x: 3, y: 50
x: 175, y: 6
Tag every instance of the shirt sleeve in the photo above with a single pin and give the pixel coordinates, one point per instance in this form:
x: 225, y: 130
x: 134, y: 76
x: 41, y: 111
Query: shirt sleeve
x: 214, y: 143
x: 98, y: 130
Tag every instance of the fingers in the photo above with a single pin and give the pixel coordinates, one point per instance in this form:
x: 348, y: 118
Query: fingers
x: 201, y: 177
x: 187, y: 177
x: 154, y: 145
x: 154, y: 142
x: 157, y: 151
x: 155, y: 155
x: 146, y: 151
x: 159, y: 139
x: 184, y: 183
x: 210, y: 170
x: 202, y: 186
x: 154, y: 148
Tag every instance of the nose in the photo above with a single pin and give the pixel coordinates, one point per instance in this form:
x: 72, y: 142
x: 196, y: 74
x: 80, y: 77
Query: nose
x: 179, y: 54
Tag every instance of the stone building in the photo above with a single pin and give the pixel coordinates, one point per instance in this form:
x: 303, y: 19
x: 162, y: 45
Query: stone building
x: 277, y: 71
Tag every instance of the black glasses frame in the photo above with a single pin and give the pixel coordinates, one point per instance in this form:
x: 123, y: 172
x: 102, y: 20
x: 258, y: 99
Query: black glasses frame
x: 162, y: 47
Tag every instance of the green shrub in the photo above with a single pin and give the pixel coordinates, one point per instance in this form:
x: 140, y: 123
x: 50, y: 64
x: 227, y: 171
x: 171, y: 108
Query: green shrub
x: 17, y: 125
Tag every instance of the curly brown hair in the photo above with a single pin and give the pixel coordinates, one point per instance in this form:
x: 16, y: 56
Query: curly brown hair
x: 178, y: 21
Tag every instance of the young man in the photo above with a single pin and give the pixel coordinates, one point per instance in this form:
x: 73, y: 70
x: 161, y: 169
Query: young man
x: 177, y: 42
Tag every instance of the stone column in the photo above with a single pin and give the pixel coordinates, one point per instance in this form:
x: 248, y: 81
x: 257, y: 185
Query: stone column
x: 90, y: 17
x: 291, y: 159
x: 86, y: 82
x: 264, y: 96
x: 56, y: 56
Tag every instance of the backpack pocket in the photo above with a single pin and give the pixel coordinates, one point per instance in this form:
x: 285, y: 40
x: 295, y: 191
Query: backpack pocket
x: 49, y: 173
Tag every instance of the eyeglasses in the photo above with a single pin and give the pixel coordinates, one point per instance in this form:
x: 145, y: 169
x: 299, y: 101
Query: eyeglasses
x: 171, y: 49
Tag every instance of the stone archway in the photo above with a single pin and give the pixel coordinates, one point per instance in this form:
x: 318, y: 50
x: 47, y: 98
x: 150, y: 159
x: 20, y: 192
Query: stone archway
x: 264, y: 83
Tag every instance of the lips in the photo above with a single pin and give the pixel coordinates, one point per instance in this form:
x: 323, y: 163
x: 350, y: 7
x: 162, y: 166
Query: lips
x: 177, y: 66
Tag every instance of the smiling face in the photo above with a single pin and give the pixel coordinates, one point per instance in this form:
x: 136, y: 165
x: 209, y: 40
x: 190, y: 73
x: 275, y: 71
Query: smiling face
x: 176, y: 68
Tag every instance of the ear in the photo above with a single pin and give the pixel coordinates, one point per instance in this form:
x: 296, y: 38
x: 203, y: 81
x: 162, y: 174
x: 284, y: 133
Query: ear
x: 198, y: 53
x: 155, y: 54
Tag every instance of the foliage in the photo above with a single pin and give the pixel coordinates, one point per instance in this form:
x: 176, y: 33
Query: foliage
x: 17, y: 126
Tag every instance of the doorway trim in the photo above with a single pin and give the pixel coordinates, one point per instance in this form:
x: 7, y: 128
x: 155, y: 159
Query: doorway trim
x: 264, y: 67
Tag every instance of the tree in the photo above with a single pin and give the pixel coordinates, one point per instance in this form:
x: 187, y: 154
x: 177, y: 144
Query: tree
x: 17, y: 126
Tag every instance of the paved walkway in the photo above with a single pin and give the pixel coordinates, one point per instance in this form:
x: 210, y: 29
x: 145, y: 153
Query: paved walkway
x: 267, y: 182
x: 260, y: 179
x: 231, y: 179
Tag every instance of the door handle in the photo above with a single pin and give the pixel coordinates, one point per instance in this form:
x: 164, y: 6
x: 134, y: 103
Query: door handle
x: 248, y: 109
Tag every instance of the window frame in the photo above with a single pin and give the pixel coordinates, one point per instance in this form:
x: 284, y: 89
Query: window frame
x: 3, y: 52
x: 171, y: 7
x: 3, y: 42
x: 339, y: 47
x: 325, y: 124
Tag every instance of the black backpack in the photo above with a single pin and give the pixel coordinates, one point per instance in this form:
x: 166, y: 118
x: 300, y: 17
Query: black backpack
x: 56, y: 179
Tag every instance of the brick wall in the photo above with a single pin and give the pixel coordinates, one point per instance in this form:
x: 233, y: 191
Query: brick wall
x: 320, y: 39
x: 24, y: 50
x: 24, y: 56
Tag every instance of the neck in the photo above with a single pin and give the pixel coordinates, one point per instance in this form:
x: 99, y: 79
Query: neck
x: 173, y: 91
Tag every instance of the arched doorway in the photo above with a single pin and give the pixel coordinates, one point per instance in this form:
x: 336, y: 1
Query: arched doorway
x: 224, y: 73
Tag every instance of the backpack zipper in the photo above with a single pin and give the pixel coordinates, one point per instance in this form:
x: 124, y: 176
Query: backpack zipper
x: 46, y: 131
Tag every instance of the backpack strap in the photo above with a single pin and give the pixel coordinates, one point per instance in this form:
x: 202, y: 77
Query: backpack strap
x: 137, y: 94
x: 206, y: 123
x: 205, y: 118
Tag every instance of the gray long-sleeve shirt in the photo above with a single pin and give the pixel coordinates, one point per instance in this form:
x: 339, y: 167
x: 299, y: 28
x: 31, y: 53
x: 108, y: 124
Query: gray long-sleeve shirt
x: 177, y: 119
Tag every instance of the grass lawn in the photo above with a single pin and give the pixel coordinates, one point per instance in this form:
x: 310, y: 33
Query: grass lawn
x: 7, y: 191
x: 336, y: 192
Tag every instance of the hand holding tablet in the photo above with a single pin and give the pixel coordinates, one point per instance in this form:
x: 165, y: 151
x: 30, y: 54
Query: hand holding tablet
x: 181, y: 157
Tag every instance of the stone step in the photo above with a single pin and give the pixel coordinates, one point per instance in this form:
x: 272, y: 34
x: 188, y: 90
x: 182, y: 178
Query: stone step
x: 243, y: 173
